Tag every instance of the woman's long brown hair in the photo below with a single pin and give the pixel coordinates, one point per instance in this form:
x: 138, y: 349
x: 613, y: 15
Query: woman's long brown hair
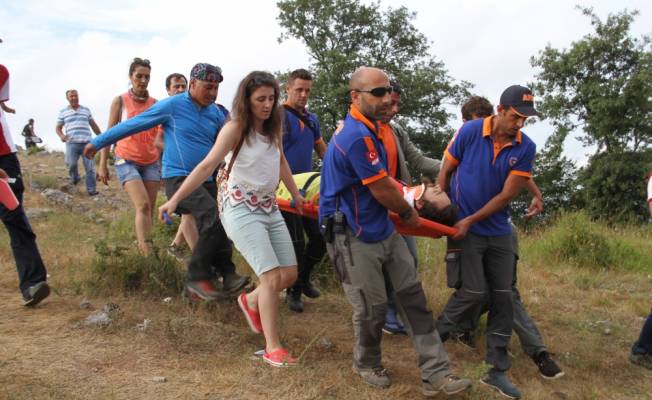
x: 241, y: 112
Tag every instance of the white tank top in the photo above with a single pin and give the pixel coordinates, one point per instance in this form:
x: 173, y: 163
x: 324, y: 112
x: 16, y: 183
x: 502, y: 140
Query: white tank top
x: 255, y: 174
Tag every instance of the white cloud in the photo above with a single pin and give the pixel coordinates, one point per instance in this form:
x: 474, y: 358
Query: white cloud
x: 50, y: 47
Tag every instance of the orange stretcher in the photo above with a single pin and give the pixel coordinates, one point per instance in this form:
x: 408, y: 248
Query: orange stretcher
x: 427, y: 228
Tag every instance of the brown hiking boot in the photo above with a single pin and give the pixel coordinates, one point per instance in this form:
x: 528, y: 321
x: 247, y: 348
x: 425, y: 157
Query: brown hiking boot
x: 450, y: 384
x: 377, y: 376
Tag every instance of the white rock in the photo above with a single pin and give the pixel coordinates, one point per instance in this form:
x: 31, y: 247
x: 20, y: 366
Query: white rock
x: 98, y: 318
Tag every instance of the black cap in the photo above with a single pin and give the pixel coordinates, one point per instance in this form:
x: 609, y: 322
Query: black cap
x: 520, y: 99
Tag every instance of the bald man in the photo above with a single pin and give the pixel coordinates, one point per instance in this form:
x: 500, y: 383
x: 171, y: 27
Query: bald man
x: 355, y: 196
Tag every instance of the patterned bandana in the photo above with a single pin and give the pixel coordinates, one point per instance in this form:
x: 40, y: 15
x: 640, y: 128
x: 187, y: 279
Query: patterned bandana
x: 206, y: 72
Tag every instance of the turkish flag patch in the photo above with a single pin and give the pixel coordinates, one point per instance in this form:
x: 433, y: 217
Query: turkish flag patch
x: 371, y: 156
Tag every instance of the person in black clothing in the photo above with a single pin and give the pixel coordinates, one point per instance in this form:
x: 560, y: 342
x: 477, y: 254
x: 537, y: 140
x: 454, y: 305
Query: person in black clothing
x: 31, y: 271
x: 30, y: 136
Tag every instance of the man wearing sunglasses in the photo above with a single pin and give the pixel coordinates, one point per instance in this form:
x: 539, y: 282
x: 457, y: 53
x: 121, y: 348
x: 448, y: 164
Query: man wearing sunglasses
x: 191, y: 122
x: 487, y: 165
x: 355, y: 196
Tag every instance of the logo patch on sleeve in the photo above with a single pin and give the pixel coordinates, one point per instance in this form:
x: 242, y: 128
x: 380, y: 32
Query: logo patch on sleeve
x: 512, y: 161
x: 372, y: 157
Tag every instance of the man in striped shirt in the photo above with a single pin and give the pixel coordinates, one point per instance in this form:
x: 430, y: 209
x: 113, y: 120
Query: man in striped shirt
x: 78, y: 123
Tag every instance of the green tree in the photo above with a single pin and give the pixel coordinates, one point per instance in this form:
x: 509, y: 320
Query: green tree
x: 556, y: 176
x: 342, y: 35
x: 615, y: 185
x: 601, y: 84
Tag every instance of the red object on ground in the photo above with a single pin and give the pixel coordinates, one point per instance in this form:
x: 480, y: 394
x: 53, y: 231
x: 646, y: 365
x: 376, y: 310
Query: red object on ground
x: 427, y: 228
x: 7, y: 196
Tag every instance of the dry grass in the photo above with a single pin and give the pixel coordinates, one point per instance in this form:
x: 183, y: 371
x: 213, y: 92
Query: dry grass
x: 588, y: 317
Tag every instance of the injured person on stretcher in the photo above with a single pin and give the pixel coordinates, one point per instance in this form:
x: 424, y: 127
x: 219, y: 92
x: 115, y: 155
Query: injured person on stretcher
x: 429, y: 200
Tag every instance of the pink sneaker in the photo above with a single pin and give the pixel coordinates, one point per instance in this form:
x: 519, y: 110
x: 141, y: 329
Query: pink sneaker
x: 279, y: 358
x: 252, y: 317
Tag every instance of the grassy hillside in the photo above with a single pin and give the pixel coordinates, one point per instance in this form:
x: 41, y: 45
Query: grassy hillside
x: 587, y: 285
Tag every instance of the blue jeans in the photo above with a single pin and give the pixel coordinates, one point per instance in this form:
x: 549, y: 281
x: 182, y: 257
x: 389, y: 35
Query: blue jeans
x: 73, y: 152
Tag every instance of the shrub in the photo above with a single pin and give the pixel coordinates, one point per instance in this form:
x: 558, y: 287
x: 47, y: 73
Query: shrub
x: 576, y: 239
x: 118, y: 268
x: 44, y: 182
x: 614, y: 186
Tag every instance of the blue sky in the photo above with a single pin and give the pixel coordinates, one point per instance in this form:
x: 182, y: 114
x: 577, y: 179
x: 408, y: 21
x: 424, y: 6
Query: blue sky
x: 50, y: 47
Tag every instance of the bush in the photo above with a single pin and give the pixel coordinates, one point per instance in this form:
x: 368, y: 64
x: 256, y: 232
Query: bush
x: 44, y: 182
x: 34, y: 150
x: 118, y: 268
x: 614, y: 186
x: 576, y: 239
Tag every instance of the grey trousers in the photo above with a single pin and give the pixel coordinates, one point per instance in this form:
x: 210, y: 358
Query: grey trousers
x: 524, y: 326
x: 481, y: 267
x: 364, y: 268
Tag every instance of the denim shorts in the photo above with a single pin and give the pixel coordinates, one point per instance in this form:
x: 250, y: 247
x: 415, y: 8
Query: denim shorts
x: 129, y: 171
x: 262, y: 239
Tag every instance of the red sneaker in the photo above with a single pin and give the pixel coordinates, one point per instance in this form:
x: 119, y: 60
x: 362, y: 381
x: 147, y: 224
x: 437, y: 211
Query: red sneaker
x: 203, y: 289
x: 252, y: 316
x: 279, y: 358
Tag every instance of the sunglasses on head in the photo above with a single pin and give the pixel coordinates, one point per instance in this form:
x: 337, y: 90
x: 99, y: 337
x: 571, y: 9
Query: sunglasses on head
x: 377, y: 92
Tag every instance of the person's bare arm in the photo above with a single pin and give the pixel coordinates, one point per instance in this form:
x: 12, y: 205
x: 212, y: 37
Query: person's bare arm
x: 6, y: 108
x: 94, y: 127
x: 288, y: 180
x: 159, y: 142
x: 226, y: 141
x: 384, y: 191
x: 59, y: 130
x: 114, y: 119
x: 536, y: 206
x: 320, y: 148
x: 513, y: 185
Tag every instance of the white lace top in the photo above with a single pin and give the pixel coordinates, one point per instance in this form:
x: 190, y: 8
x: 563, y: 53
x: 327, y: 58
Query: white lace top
x: 255, y: 174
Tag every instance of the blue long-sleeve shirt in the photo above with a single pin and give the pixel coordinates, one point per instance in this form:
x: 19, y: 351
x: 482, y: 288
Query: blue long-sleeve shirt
x: 189, y: 131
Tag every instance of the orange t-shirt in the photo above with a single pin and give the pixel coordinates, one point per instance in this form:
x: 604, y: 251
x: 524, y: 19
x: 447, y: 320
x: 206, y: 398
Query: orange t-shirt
x: 138, y: 148
x: 386, y: 136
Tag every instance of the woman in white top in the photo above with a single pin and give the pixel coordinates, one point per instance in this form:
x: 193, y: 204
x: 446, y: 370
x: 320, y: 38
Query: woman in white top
x: 250, y: 215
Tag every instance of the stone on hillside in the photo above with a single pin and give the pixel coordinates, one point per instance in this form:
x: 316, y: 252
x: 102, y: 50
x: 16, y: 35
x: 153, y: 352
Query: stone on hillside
x: 85, y: 304
x: 325, y: 343
x: 144, y: 325
x: 36, y: 213
x: 110, y: 201
x: 68, y: 188
x: 159, y: 379
x: 57, y: 197
x: 79, y: 208
x: 111, y: 308
x: 98, y: 318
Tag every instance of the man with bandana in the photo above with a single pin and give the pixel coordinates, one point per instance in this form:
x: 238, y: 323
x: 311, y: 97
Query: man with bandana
x: 191, y: 122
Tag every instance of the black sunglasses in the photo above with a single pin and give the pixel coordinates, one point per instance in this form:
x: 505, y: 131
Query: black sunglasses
x: 377, y: 92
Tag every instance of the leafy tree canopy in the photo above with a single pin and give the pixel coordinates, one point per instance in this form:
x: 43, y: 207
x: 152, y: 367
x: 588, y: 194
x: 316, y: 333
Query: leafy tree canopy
x: 342, y: 35
x: 601, y: 84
